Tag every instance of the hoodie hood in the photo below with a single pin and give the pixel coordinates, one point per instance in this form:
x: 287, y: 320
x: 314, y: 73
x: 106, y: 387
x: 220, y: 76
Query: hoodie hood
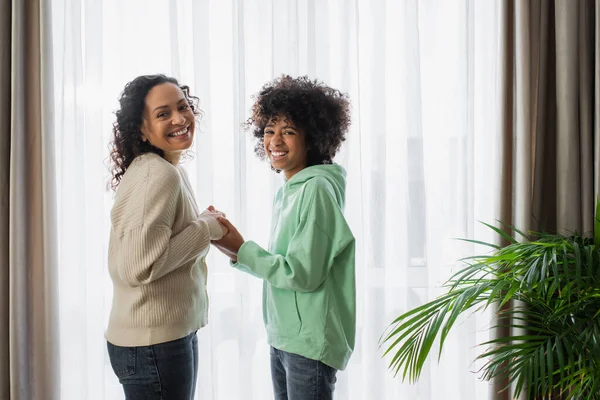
x: 333, y: 173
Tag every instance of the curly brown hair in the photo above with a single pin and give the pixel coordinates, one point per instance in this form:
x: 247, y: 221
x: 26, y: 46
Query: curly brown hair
x: 323, y: 113
x: 127, y: 141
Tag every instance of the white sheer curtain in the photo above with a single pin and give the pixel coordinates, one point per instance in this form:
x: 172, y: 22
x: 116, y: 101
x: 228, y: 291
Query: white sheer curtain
x: 421, y: 159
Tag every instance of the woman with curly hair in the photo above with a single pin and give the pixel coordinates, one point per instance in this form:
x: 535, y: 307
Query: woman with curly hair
x: 309, y: 295
x: 158, y: 243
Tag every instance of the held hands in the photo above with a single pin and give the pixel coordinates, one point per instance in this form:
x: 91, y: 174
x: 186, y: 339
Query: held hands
x: 211, y: 211
x: 232, y: 241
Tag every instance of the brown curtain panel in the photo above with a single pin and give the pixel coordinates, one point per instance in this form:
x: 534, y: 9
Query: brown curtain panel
x: 550, y: 149
x: 27, y: 229
x: 5, y: 61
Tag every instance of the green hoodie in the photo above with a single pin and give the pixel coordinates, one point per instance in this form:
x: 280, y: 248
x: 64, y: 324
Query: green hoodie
x: 309, y: 294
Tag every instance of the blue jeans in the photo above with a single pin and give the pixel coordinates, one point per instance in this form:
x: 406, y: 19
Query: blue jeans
x: 300, y: 378
x: 164, y: 371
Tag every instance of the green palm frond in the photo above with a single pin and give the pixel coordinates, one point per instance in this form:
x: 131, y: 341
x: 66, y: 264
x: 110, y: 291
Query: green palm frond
x: 548, y: 294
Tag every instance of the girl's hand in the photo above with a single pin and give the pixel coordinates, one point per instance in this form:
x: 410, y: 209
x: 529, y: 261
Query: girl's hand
x: 230, y: 244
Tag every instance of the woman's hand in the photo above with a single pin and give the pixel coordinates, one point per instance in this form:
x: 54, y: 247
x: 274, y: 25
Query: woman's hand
x: 216, y: 214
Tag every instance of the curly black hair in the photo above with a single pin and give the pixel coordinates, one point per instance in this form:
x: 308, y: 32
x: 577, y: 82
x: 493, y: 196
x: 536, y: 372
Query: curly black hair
x: 322, y: 112
x: 127, y: 141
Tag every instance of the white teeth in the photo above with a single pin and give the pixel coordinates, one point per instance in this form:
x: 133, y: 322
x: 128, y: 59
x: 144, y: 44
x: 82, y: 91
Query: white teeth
x: 179, y: 133
x: 279, y: 153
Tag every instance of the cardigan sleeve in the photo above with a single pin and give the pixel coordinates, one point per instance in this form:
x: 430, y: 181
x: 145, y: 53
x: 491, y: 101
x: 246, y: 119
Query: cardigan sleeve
x: 149, y: 249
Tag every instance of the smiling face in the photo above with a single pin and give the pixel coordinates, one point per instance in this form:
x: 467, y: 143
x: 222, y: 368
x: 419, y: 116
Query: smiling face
x: 168, y: 121
x: 285, y: 145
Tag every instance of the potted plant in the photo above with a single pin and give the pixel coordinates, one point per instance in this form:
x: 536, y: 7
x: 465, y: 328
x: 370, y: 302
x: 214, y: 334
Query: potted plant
x: 547, y: 291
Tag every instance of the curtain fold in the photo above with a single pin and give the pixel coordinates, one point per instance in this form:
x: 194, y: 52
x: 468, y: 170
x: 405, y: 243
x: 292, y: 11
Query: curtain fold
x: 549, y: 118
x: 5, y: 97
x: 29, y: 368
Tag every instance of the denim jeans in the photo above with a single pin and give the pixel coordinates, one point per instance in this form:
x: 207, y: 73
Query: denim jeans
x: 164, y: 371
x: 300, y: 378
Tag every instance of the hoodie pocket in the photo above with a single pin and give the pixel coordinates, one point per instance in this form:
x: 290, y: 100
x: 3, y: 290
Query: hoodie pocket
x: 283, y: 314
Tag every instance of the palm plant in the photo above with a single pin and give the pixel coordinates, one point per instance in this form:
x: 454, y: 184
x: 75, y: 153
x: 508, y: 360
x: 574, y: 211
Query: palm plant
x: 548, y: 292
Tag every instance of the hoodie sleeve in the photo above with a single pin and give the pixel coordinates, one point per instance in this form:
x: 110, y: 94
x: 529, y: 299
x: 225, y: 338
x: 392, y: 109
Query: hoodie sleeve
x: 322, y: 234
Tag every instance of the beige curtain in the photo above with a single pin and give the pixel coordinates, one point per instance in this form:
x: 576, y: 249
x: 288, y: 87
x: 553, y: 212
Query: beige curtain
x: 550, y: 116
x: 5, y: 14
x: 27, y: 231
